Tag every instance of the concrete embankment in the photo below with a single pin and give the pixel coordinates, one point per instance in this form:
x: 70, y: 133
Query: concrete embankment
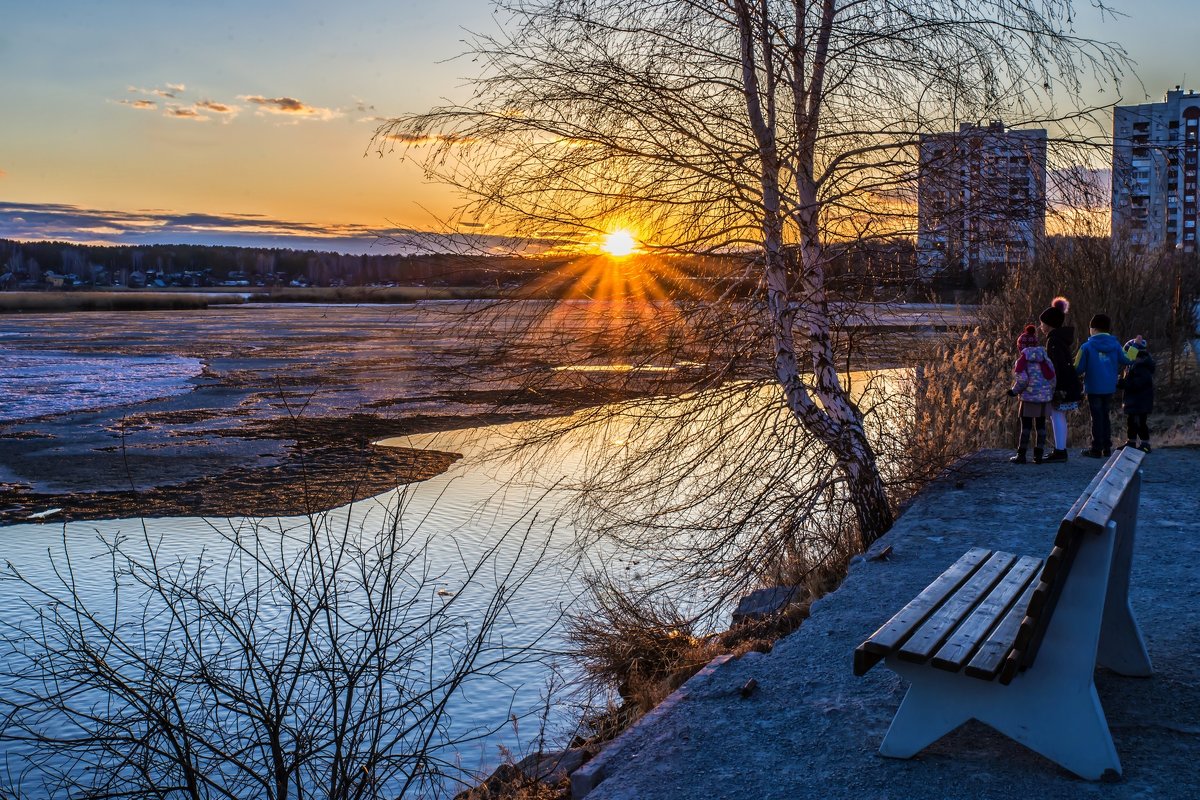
x: 811, y: 729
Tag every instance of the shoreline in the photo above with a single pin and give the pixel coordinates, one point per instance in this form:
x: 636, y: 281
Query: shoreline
x: 280, y: 417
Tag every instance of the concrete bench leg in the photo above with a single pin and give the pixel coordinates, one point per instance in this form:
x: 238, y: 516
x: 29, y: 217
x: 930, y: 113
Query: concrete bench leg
x: 1058, y: 718
x: 1122, y: 648
x: 925, y: 715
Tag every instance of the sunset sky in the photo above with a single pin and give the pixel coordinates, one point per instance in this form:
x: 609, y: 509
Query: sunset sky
x: 241, y: 122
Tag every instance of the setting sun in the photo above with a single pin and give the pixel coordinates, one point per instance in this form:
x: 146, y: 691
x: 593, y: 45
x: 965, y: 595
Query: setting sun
x: 619, y: 243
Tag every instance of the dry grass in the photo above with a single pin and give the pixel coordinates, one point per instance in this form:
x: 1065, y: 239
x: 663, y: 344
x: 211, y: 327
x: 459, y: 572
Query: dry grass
x: 370, y: 294
x: 645, y: 648
x: 1176, y: 421
x: 56, y: 302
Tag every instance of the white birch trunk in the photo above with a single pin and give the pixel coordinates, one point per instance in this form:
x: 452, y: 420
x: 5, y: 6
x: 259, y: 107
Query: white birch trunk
x: 836, y: 421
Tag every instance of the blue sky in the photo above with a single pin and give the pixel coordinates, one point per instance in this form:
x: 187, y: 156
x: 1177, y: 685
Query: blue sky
x: 256, y: 114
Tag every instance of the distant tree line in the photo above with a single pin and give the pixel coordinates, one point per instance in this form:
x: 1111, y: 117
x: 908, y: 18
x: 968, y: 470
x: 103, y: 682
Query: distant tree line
x: 42, y: 265
x: 883, y: 268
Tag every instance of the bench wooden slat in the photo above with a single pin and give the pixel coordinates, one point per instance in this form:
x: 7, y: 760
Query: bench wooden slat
x: 896, y: 630
x: 1056, y: 562
x: 930, y: 636
x: 1100, y: 506
x: 1081, y: 501
x: 987, y: 662
x: 959, y: 648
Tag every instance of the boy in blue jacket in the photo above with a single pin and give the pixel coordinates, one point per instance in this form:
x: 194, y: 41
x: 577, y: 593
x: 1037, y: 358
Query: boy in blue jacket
x: 1098, y: 363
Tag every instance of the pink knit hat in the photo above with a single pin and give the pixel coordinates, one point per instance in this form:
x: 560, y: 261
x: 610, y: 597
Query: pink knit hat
x: 1028, y: 338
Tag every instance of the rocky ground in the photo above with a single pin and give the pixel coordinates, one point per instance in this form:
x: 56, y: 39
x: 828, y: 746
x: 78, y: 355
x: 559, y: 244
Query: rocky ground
x: 811, y: 729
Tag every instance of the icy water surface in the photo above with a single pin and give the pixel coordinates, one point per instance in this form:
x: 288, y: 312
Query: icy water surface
x: 37, y: 383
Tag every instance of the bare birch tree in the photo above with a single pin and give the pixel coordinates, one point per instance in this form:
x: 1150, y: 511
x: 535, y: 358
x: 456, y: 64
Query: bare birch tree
x: 776, y: 133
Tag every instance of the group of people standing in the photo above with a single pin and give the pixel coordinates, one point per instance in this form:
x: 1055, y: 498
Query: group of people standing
x: 1053, y: 380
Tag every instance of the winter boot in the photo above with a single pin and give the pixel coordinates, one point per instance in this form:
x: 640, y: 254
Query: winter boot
x: 1019, y: 458
x: 1037, y: 455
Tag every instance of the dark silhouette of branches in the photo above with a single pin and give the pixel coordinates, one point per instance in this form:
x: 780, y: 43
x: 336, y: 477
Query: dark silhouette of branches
x: 316, y: 661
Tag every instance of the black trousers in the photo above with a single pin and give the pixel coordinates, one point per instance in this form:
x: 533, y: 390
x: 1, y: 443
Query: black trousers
x: 1137, y: 427
x: 1099, y: 405
x: 1027, y: 426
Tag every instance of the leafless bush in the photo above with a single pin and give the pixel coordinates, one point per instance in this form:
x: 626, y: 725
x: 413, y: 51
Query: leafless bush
x: 309, y: 662
x: 638, y: 645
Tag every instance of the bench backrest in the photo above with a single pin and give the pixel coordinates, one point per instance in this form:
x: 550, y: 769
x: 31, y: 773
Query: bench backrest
x: 1111, y: 496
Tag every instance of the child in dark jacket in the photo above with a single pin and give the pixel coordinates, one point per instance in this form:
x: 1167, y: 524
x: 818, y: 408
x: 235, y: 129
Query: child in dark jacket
x: 1034, y: 384
x: 1068, y: 391
x: 1138, y: 383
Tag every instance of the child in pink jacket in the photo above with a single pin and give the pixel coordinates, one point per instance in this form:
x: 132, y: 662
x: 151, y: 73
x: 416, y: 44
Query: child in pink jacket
x: 1034, y: 384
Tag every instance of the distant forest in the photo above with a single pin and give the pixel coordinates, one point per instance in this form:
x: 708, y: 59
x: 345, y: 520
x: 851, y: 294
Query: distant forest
x: 861, y: 269
x: 31, y: 265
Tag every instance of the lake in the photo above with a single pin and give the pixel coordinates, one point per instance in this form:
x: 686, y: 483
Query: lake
x: 513, y: 515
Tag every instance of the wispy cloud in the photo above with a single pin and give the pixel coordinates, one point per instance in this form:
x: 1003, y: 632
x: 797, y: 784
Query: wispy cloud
x: 200, y: 111
x: 185, y: 112
x: 289, y: 107
x: 68, y: 223
x: 207, y: 108
x: 171, y: 90
x: 144, y: 105
x: 219, y: 108
x: 224, y: 111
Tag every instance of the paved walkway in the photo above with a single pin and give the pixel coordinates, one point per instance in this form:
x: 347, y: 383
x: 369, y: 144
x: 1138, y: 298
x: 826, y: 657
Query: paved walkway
x: 811, y: 730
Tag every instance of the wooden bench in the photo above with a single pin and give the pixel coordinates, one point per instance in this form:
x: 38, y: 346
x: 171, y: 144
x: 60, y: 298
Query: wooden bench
x: 1013, y: 641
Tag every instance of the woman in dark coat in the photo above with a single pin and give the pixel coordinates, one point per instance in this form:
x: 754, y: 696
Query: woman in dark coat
x: 1068, y: 391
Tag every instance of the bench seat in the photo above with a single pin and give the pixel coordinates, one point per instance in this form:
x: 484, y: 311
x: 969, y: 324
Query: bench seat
x: 967, y: 619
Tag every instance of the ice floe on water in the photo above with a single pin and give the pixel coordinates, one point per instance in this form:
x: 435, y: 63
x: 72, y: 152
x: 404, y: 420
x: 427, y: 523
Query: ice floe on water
x: 36, y: 383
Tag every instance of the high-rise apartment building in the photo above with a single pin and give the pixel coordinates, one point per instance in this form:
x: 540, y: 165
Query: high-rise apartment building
x: 1154, y: 172
x: 981, y: 198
